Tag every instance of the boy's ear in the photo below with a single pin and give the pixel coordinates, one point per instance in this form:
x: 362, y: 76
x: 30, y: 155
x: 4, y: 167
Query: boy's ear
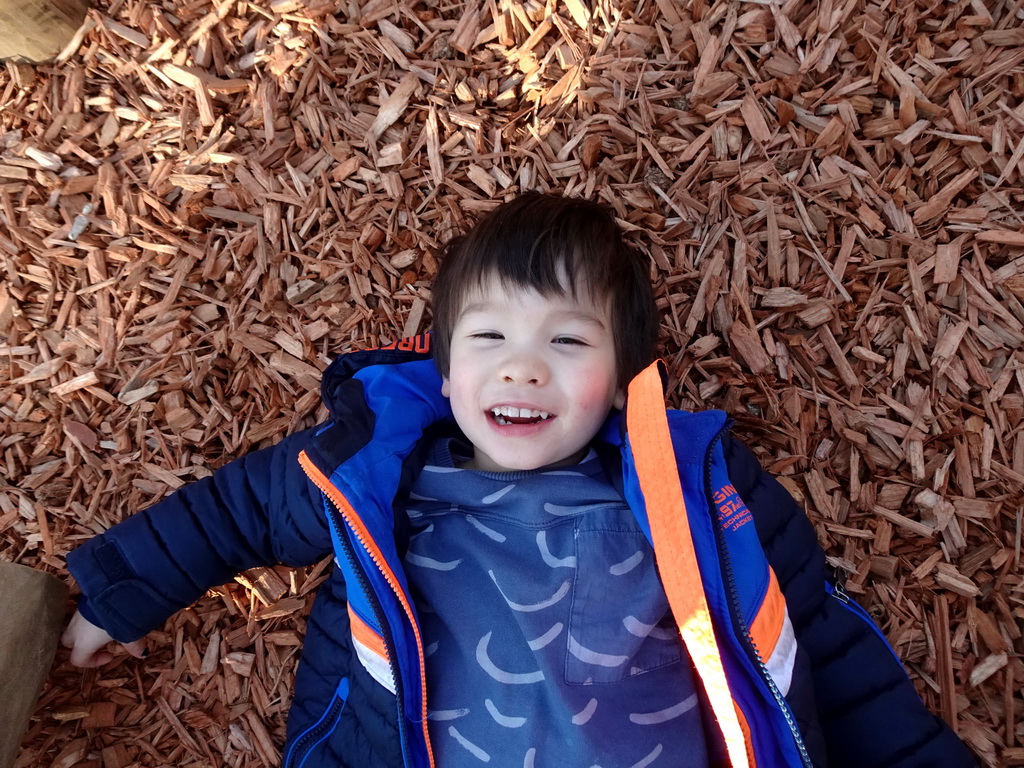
x: 446, y: 387
x: 620, y: 398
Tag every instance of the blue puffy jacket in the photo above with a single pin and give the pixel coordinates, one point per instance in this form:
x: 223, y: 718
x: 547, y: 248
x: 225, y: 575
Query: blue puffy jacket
x: 792, y: 672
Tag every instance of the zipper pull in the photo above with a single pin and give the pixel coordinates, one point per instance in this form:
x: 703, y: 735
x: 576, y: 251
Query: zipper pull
x: 838, y: 589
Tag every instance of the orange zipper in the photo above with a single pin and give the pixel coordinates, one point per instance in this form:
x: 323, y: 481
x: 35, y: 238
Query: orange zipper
x: 366, y: 541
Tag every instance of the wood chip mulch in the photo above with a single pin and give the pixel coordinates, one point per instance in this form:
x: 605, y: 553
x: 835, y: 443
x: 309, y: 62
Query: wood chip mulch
x: 203, y: 201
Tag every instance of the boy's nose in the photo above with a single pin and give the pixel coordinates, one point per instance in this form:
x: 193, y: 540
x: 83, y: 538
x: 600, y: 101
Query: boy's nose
x: 524, y: 370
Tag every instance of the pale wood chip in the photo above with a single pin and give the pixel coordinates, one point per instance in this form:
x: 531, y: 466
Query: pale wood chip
x: 394, y: 106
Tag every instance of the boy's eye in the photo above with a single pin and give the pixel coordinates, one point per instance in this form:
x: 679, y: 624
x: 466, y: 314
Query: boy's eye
x: 486, y: 335
x: 569, y: 340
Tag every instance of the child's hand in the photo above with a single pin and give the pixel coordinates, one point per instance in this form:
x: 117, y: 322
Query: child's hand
x: 88, y: 643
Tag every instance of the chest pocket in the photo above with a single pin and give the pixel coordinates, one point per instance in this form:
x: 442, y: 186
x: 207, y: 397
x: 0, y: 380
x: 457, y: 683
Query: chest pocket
x: 620, y: 624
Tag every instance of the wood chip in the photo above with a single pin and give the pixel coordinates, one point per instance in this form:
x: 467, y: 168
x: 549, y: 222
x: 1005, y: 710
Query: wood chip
x: 394, y: 106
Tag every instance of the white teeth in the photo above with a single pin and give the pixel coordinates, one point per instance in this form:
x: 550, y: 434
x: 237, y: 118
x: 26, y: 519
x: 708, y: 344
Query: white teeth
x: 511, y: 411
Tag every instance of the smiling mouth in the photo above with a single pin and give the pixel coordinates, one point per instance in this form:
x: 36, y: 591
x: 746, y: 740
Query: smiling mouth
x: 505, y: 415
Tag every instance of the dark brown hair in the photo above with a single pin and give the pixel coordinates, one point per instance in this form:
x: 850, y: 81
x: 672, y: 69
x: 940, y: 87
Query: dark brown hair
x: 532, y: 242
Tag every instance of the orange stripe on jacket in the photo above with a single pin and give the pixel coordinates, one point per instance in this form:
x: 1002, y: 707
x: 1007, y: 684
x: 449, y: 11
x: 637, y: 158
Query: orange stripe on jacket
x: 745, y: 727
x: 670, y: 529
x: 366, y: 635
x: 767, y: 625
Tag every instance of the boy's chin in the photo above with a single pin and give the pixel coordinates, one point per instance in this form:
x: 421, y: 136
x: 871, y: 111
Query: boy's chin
x: 486, y: 463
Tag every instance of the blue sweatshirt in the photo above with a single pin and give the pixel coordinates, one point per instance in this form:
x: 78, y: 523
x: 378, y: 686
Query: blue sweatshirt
x: 544, y: 622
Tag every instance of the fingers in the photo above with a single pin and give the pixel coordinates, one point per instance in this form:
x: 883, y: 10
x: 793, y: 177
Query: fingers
x: 137, y: 649
x: 88, y: 658
x: 88, y: 643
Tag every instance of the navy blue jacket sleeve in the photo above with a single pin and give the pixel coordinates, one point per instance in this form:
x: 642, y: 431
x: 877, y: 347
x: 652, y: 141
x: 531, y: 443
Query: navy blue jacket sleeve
x: 869, y: 713
x: 260, y: 509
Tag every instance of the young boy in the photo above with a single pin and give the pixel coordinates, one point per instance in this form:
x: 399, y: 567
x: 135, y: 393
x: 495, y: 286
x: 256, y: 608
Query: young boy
x: 535, y: 563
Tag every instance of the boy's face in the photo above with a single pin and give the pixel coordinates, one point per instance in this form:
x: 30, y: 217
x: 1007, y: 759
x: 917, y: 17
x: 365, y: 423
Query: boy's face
x: 531, y: 378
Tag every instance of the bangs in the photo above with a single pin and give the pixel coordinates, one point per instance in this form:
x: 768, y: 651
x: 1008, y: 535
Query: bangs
x: 551, y: 262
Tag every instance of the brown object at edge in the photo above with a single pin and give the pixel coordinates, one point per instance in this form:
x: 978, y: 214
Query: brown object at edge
x: 31, y: 616
x: 34, y: 31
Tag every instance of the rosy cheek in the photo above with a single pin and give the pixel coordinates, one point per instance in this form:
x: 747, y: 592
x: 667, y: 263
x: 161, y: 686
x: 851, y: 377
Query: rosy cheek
x: 594, y: 393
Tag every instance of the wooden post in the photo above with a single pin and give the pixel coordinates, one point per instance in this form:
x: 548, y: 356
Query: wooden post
x: 32, y: 607
x: 33, y: 31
